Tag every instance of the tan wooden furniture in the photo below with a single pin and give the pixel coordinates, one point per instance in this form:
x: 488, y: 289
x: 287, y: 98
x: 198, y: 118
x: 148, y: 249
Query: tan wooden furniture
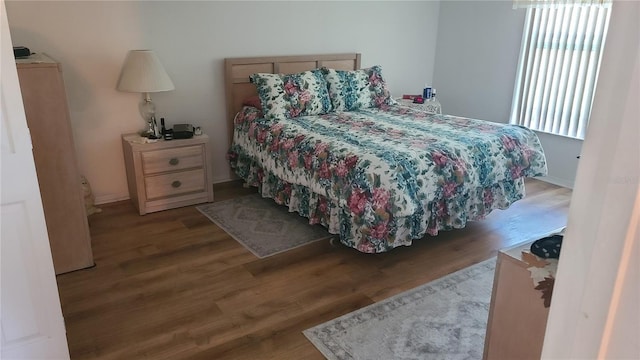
x: 45, y: 105
x: 167, y: 174
x: 428, y: 106
x: 517, y: 315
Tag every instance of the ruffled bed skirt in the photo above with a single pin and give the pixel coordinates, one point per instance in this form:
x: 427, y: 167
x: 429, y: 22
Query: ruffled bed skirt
x: 369, y: 233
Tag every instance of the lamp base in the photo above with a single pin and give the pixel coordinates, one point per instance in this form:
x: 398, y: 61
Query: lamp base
x: 148, y: 135
x: 151, y: 131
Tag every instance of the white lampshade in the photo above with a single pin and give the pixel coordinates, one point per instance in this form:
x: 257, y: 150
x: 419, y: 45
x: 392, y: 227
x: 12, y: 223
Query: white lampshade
x: 142, y: 72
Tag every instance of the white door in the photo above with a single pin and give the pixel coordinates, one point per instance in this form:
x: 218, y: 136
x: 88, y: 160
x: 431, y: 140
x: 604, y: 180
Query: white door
x: 30, y: 313
x: 595, y: 311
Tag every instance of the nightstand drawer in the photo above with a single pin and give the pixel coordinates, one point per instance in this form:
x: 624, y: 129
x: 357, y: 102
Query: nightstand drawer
x: 162, y: 186
x: 158, y: 161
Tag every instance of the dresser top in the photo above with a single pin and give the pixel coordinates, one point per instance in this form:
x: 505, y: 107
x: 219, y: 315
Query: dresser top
x: 515, y: 252
x: 37, y: 61
x: 140, y: 143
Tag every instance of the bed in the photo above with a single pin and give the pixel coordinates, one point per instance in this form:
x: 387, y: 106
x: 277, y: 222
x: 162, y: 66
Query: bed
x: 374, y: 172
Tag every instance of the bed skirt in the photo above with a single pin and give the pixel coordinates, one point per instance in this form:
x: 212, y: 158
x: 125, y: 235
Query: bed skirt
x: 371, y: 233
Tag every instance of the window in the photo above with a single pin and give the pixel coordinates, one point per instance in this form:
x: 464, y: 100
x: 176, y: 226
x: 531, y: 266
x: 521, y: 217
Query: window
x: 559, y: 62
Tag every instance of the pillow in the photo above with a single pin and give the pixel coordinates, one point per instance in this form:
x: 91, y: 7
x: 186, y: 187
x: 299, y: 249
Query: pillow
x: 292, y: 95
x: 359, y: 89
x: 253, y: 101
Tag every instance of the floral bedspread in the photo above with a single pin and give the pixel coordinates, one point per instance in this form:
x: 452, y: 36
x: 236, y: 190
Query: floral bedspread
x: 382, y: 177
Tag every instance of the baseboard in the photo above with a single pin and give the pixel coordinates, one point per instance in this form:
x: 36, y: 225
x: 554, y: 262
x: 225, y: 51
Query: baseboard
x: 221, y: 183
x: 106, y: 199
x: 226, y: 181
x: 556, y: 181
x: 111, y: 198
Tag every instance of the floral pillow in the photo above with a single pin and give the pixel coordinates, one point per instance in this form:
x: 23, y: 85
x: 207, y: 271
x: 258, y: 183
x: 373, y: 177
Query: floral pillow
x: 292, y: 95
x: 359, y: 89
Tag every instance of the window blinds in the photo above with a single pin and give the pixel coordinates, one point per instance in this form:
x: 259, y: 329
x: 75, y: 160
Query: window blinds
x: 517, y: 4
x: 559, y: 63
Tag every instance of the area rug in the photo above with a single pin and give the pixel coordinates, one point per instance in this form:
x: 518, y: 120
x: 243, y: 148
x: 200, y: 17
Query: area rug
x: 444, y: 319
x: 262, y: 226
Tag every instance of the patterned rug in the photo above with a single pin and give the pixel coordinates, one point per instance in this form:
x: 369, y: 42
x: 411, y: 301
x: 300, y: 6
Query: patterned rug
x: 445, y: 319
x: 262, y: 226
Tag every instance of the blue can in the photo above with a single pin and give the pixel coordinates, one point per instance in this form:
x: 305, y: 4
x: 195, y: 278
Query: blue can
x: 426, y: 93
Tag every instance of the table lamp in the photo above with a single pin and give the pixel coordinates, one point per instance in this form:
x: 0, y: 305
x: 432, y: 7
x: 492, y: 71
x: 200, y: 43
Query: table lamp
x: 142, y: 72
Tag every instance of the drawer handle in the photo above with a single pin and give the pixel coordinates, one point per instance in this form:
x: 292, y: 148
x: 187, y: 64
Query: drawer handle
x: 176, y: 184
x: 174, y: 161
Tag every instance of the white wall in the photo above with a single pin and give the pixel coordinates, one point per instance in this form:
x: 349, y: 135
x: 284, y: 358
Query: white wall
x: 91, y: 39
x: 476, y: 58
x: 475, y: 70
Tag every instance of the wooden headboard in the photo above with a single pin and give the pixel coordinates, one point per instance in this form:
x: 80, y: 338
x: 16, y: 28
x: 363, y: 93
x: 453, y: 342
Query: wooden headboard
x: 237, y: 72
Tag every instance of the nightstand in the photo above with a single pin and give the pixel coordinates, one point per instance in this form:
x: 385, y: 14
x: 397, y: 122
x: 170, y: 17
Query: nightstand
x: 167, y: 174
x: 428, y: 106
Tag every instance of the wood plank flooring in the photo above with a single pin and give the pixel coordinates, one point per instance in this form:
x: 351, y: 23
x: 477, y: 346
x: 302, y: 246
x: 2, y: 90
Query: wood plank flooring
x: 172, y: 285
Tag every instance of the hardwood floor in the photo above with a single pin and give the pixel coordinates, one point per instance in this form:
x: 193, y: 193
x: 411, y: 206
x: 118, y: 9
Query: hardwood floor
x: 172, y: 285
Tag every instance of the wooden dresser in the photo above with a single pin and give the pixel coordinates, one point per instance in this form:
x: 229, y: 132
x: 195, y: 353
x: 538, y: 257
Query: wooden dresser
x: 45, y: 105
x: 518, y: 312
x: 166, y: 174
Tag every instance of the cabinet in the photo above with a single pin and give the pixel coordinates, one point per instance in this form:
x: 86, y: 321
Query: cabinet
x: 47, y: 114
x: 167, y: 174
x: 518, y: 315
